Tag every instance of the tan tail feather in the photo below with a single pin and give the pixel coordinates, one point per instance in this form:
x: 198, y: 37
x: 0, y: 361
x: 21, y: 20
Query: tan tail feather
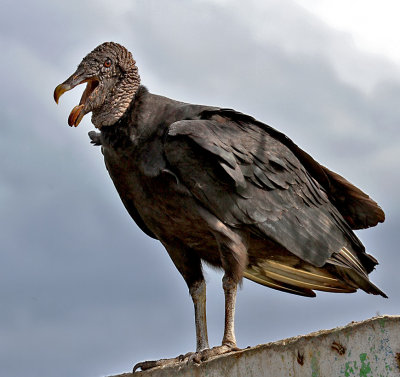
x: 266, y: 281
x: 352, y: 270
x: 317, y: 277
x: 346, y: 258
x: 297, y: 277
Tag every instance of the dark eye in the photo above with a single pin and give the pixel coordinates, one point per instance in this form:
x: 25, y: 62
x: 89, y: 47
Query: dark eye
x: 107, y: 63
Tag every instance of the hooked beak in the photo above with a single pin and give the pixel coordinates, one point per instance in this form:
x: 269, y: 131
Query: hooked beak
x: 70, y: 83
x: 78, y: 112
x: 60, y: 90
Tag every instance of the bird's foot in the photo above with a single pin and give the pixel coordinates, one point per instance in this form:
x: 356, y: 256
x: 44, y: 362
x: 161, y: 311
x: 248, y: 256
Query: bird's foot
x: 145, y: 365
x: 200, y: 356
x: 190, y: 357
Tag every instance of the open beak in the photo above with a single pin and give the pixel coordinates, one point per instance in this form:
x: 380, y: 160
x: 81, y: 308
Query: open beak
x: 79, y: 111
x: 60, y: 90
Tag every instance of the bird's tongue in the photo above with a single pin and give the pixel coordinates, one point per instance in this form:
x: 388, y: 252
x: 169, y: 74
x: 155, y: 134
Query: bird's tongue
x: 76, y: 115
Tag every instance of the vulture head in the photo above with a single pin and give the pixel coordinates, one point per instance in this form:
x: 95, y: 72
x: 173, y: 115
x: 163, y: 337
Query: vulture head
x: 112, y: 80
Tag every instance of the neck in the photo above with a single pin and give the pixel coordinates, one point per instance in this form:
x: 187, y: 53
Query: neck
x: 123, y: 133
x: 118, y: 101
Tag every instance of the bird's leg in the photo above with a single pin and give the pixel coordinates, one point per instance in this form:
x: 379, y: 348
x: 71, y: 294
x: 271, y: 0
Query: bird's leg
x: 190, y: 267
x: 198, y: 293
x: 233, y: 252
x: 230, y: 290
x: 229, y: 340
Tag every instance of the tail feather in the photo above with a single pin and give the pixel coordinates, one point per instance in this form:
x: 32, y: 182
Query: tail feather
x: 357, y: 208
x: 300, y: 280
x: 346, y: 258
x: 352, y: 270
x: 258, y: 277
x: 360, y: 281
x: 343, y: 273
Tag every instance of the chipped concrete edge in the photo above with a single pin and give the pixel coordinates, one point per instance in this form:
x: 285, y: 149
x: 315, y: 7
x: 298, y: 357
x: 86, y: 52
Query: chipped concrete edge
x: 250, y: 356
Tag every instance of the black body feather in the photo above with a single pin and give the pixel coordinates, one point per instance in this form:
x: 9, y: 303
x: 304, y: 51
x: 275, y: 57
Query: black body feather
x: 186, y: 171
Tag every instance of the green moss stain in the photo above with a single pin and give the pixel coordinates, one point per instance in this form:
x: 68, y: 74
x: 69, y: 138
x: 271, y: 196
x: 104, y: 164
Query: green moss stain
x: 363, y: 370
x: 349, y: 368
x: 365, y: 367
x: 382, y: 323
x: 315, y: 371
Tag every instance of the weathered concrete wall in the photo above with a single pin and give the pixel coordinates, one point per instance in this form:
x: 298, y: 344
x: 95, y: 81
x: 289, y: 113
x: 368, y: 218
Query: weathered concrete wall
x: 367, y: 349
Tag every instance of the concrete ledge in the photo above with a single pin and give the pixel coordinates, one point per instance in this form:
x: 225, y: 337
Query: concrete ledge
x: 367, y: 349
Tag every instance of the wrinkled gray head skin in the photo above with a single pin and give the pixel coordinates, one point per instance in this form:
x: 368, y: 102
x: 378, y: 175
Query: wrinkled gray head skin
x: 112, y: 80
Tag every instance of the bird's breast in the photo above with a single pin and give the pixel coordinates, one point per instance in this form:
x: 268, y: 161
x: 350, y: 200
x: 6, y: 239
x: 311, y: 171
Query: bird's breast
x: 163, y: 203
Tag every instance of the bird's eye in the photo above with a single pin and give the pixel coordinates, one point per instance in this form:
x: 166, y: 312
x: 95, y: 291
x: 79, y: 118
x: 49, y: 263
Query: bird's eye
x: 107, y: 63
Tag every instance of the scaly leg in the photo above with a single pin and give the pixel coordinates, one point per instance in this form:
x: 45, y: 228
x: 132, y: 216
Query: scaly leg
x: 229, y: 340
x: 230, y: 290
x: 189, y: 266
x: 198, y: 293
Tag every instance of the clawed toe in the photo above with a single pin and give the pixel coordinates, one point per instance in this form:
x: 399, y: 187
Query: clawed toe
x: 146, y: 365
x: 199, y: 357
x: 190, y: 357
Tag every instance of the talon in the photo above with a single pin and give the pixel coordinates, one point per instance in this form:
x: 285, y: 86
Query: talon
x: 204, y: 355
x: 198, y: 359
x: 144, y: 365
x: 185, y: 356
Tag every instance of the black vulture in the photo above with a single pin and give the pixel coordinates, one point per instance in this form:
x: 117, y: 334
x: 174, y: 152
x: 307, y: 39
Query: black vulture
x: 217, y: 186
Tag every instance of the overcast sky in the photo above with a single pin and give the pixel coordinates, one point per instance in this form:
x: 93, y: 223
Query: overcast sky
x: 83, y: 292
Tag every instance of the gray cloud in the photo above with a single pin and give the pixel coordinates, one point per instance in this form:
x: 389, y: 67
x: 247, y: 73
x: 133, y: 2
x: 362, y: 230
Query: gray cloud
x: 83, y: 291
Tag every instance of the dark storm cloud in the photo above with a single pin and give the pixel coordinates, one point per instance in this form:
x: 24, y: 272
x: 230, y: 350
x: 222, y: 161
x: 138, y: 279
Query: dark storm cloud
x: 83, y: 291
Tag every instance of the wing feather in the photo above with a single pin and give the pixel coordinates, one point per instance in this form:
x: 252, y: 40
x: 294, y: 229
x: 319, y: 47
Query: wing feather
x: 246, y: 177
